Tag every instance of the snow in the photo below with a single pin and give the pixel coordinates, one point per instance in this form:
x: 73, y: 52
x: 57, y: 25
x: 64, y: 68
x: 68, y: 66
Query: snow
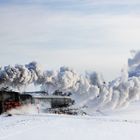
x: 119, y: 125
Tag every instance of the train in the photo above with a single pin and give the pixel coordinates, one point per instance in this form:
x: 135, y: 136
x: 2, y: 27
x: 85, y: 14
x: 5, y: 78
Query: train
x: 11, y: 99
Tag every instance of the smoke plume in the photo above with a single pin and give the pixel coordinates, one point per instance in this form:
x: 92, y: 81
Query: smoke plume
x: 89, y: 90
x: 20, y: 75
x: 134, y: 64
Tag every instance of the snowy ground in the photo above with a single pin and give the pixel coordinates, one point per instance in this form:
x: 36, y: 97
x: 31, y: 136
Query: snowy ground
x: 121, y: 125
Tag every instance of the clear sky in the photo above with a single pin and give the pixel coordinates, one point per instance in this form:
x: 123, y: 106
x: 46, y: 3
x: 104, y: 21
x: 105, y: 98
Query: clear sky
x: 86, y: 35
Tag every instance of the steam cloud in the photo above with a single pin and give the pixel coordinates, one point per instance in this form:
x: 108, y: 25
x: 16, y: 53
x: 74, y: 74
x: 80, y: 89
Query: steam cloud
x: 20, y: 75
x: 88, y: 90
x: 134, y: 64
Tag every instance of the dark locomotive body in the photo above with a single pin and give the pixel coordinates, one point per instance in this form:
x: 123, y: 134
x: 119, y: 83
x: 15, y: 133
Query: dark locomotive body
x: 11, y: 99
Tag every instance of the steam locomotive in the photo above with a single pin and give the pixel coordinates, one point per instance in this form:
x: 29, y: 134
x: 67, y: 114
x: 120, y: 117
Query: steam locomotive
x: 11, y: 99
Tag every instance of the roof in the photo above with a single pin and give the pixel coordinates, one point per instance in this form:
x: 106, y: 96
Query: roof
x: 51, y: 97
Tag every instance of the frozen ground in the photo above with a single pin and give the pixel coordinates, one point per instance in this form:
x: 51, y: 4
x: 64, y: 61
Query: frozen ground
x: 121, y: 125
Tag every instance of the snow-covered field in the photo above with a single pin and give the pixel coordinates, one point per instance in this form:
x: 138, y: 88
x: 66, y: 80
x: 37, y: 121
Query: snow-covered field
x: 120, y: 125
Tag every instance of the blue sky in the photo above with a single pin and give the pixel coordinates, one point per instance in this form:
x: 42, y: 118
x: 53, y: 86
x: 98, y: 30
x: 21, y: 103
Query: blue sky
x: 87, y: 35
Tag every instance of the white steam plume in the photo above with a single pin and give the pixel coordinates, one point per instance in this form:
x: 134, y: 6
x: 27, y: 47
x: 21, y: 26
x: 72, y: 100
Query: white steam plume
x: 19, y: 75
x: 91, y: 90
x: 87, y: 90
x: 134, y: 64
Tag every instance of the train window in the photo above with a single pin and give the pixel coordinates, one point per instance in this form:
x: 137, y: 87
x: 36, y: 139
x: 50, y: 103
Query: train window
x: 16, y: 97
x: 61, y: 101
x: 26, y: 99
